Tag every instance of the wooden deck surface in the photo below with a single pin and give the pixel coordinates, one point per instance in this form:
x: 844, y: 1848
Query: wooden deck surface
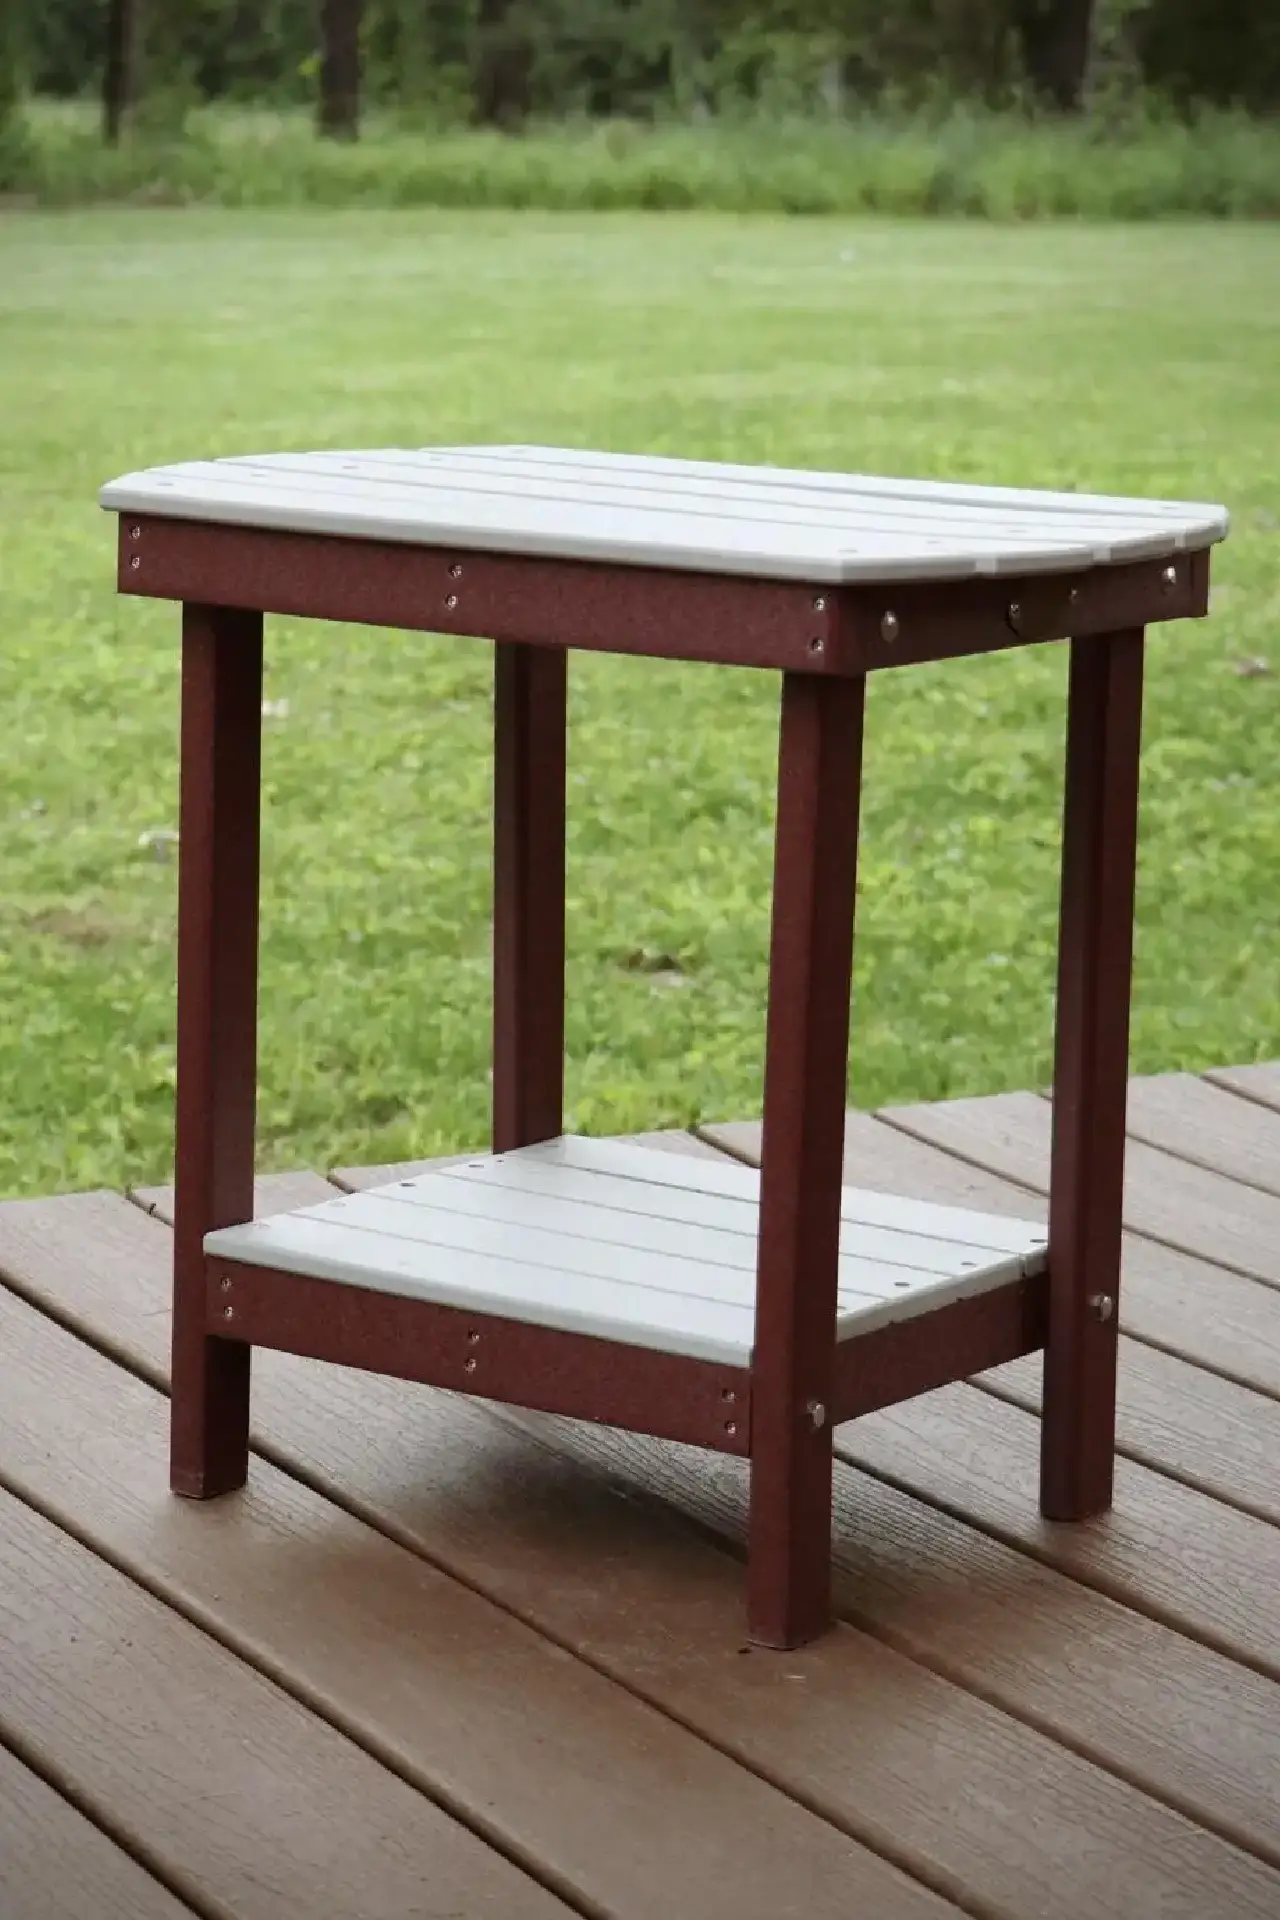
x: 445, y: 1659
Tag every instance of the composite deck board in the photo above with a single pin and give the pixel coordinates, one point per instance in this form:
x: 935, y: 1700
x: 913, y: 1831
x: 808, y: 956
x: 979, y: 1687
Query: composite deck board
x: 1259, y: 1083
x: 1173, y: 1414
x: 56, y: 1865
x: 1165, y: 1198
x: 1209, y: 1125
x: 541, y: 1753
x: 918, y: 1767
x: 1200, y: 1311
x: 210, y: 1769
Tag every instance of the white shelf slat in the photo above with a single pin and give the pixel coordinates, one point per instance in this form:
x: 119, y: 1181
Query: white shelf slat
x: 627, y: 1244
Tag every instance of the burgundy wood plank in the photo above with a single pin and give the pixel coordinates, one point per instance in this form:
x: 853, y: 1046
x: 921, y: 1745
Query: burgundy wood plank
x: 1086, y: 1179
x: 505, y: 597
x: 217, y: 1026
x: 907, y: 622
x: 913, y: 1356
x: 806, y: 1056
x: 530, y: 696
x: 670, y: 1394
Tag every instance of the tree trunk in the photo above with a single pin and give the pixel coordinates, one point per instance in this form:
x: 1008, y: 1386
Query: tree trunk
x: 503, y: 67
x: 338, y: 116
x: 1056, y: 38
x: 123, y: 73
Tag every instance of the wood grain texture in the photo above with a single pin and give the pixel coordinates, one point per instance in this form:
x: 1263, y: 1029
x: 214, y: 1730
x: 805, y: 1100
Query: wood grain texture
x: 358, y: 1179
x: 250, y: 1804
x: 1169, y: 1299
x: 56, y: 1865
x: 1177, y: 1418
x: 815, y: 867
x: 1091, y: 1073
x: 556, y: 1764
x: 1208, y: 1125
x: 1258, y: 1083
x: 1106, y: 1681
x: 1166, y: 1199
x: 919, y: 1768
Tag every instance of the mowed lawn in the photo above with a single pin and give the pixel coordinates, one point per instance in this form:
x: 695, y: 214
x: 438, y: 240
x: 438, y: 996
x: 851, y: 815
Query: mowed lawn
x: 1110, y: 359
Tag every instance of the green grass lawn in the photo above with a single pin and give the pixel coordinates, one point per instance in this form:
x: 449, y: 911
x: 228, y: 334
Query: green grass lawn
x: 1143, y: 360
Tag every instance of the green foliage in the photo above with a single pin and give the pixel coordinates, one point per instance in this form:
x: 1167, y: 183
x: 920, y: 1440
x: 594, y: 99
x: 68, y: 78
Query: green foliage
x: 645, y: 57
x: 986, y: 165
x: 1116, y: 358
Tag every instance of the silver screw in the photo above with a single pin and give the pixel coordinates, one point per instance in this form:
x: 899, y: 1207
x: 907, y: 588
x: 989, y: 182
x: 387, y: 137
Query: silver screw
x: 731, y: 1426
x: 469, y: 1366
x: 819, y: 603
x: 1015, y: 612
x: 1074, y: 595
x: 1103, y: 1304
x: 455, y: 570
x: 817, y: 1414
x: 728, y: 1396
x: 136, y: 561
x: 473, y: 1339
x: 1169, y: 579
x: 815, y: 645
x: 225, y: 1283
x: 451, y: 601
x: 135, y: 532
x: 889, y: 627
x: 228, y: 1313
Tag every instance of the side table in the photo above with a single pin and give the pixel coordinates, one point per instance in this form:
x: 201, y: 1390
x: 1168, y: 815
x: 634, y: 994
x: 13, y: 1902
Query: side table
x: 688, y: 1299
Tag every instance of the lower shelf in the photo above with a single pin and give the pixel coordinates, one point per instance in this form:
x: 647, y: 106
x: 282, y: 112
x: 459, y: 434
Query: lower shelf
x: 627, y: 1245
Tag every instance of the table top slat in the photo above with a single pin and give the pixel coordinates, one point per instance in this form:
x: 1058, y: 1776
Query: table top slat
x: 696, y: 516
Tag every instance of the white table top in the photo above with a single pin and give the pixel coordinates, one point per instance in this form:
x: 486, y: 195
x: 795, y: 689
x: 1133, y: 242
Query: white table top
x: 694, y: 515
x: 625, y: 1243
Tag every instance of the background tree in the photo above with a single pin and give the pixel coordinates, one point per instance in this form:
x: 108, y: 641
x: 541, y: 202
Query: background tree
x: 122, y: 71
x: 1056, y: 40
x: 338, y: 115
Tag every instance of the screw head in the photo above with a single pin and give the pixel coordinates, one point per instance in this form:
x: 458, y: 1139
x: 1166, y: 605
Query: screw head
x: 473, y: 1338
x: 1103, y: 1305
x: 816, y: 645
x: 1015, y: 613
x: 451, y: 601
x: 1169, y: 579
x: 728, y: 1395
x: 1073, y: 596
x: 469, y: 1366
x: 455, y: 570
x: 225, y: 1283
x: 889, y: 628
x: 135, y: 561
x: 228, y: 1313
x: 819, y: 602
x: 816, y: 1413
x: 731, y: 1426
x: 135, y: 532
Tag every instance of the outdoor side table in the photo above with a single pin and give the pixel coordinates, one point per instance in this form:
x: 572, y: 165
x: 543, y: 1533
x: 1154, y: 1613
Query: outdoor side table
x: 688, y: 1299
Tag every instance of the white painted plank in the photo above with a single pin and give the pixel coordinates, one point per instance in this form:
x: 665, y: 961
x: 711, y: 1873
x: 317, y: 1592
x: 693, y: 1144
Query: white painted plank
x: 527, y: 1236
x: 858, y: 1204
x: 571, y: 1248
x: 642, y: 1317
x: 688, y: 514
x: 641, y: 1199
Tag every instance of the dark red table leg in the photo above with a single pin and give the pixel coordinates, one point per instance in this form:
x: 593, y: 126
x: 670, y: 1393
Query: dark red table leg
x: 530, y: 700
x: 806, y: 1060
x: 217, y: 1028
x: 1095, y: 954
